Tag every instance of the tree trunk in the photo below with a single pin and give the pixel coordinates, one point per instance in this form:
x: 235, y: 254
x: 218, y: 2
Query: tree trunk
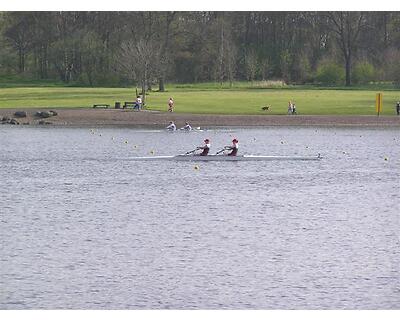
x: 161, y: 86
x: 143, y: 92
x: 46, y: 62
x: 221, y: 56
x: 348, y: 71
x: 21, y: 65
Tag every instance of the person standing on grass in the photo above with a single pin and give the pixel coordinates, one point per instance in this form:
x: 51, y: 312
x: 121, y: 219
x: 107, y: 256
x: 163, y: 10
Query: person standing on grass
x: 290, y: 108
x: 294, y: 109
x: 171, y: 105
x: 138, y: 103
x: 398, y: 108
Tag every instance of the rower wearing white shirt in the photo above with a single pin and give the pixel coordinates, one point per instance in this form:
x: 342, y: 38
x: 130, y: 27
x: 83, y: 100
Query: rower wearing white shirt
x: 187, y: 127
x: 171, y: 126
x: 205, y: 148
x: 233, y: 148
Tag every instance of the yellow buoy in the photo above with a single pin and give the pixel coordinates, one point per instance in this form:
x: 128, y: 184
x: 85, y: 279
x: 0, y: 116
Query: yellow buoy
x: 386, y: 158
x: 196, y: 167
x: 135, y: 146
x: 152, y: 151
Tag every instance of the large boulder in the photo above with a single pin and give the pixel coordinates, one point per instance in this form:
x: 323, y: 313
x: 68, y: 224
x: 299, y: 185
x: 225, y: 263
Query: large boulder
x: 20, y: 114
x: 53, y: 113
x: 13, y: 121
x: 43, y: 114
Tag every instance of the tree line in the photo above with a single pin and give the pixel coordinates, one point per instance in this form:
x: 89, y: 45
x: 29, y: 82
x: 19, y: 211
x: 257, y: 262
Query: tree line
x: 151, y: 48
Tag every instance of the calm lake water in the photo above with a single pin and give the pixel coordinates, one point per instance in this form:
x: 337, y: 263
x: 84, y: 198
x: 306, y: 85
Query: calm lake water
x: 83, y: 227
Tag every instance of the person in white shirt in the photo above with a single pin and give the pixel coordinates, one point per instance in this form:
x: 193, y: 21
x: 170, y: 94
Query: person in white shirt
x: 290, y: 108
x: 186, y: 127
x: 233, y: 148
x: 294, y: 109
x: 206, y: 148
x: 138, y: 103
x: 171, y: 126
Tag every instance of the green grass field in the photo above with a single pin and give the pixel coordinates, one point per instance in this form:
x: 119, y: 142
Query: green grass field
x: 209, y: 99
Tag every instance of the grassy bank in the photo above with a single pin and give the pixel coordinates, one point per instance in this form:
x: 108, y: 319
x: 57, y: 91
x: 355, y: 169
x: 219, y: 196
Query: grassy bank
x: 211, y: 98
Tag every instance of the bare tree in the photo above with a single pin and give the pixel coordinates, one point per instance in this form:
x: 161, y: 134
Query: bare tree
x: 347, y: 26
x: 251, y: 65
x: 227, y: 51
x: 164, y: 56
x: 18, y: 32
x: 264, y: 67
x: 136, y: 61
x: 231, y: 54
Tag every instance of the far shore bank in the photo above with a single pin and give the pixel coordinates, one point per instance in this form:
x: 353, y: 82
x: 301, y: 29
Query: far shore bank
x: 121, y: 117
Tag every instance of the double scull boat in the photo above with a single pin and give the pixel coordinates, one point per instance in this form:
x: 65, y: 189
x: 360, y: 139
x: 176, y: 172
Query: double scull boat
x: 225, y: 158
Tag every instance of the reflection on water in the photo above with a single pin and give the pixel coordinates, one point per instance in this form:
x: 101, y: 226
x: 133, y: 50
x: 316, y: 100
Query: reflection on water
x: 84, y: 227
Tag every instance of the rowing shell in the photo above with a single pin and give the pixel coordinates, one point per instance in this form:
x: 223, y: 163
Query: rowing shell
x: 226, y: 158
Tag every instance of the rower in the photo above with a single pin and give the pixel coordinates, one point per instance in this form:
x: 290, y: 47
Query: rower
x: 205, y: 148
x: 187, y: 127
x: 171, y: 126
x: 233, y: 148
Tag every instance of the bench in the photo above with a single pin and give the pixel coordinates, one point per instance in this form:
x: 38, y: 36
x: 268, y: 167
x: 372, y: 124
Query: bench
x: 101, y: 105
x: 133, y: 104
x: 128, y: 104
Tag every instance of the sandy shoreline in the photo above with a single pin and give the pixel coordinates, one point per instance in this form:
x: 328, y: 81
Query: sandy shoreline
x: 119, y: 117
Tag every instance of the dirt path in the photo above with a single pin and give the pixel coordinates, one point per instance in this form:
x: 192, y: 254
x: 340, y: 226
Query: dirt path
x: 98, y: 117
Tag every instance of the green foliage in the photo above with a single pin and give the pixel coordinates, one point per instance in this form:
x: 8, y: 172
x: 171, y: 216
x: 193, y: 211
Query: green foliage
x: 363, y: 72
x: 330, y: 73
x: 84, y: 48
x: 302, y: 70
x: 286, y: 60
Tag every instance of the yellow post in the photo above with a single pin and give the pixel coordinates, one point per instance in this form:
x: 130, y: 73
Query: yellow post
x: 379, y: 103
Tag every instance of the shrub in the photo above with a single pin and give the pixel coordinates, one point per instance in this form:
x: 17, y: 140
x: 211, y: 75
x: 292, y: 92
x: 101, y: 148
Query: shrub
x: 364, y: 72
x: 265, y: 84
x: 330, y: 73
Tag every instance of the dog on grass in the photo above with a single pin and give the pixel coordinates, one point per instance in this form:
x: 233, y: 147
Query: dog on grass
x: 266, y: 108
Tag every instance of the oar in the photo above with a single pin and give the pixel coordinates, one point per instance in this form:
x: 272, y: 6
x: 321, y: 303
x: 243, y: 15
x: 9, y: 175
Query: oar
x: 222, y: 150
x: 189, y: 152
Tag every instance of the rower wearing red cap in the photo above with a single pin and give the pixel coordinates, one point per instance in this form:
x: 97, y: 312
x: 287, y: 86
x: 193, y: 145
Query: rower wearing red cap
x: 233, y: 148
x: 205, y: 148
